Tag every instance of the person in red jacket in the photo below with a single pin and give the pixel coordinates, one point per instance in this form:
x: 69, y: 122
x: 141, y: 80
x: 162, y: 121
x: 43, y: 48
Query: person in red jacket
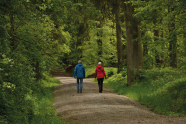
x: 100, y: 74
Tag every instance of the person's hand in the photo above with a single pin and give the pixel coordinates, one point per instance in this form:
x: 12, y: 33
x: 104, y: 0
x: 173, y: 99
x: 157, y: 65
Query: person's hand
x: 75, y: 77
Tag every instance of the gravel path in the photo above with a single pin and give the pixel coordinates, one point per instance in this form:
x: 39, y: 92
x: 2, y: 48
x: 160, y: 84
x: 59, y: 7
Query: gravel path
x: 92, y: 107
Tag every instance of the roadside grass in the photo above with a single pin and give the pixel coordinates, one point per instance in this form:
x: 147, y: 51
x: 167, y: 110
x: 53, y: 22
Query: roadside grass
x: 163, y: 90
x: 43, y: 111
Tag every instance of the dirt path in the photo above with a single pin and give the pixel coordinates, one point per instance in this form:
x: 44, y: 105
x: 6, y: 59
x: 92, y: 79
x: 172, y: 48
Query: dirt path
x: 92, y: 107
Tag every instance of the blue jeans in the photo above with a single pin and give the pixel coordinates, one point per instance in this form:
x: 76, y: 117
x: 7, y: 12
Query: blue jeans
x: 81, y: 84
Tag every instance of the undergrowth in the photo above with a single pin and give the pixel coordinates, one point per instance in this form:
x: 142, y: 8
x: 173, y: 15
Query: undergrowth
x: 44, y: 112
x: 38, y: 106
x: 163, y: 90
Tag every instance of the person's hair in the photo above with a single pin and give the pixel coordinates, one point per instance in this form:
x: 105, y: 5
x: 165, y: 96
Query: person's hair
x: 99, y: 63
x: 79, y: 61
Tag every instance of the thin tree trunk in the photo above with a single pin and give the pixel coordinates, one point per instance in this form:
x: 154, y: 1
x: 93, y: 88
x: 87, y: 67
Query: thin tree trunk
x: 145, y: 49
x: 145, y: 46
x: 118, y: 34
x: 12, y: 29
x: 157, y: 57
x: 172, y: 42
x: 99, y: 41
x: 156, y: 38
x: 37, y: 71
x: 140, y: 51
x: 80, y: 38
x: 124, y: 47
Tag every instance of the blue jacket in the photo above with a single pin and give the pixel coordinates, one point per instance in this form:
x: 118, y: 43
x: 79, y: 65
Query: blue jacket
x: 79, y: 71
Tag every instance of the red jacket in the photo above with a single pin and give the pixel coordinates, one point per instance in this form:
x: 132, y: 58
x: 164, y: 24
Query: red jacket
x: 99, y: 72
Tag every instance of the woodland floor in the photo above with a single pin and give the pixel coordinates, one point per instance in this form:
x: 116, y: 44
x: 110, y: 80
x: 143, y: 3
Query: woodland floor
x: 92, y: 107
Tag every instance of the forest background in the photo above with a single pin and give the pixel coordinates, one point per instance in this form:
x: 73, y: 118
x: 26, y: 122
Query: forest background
x: 37, y: 36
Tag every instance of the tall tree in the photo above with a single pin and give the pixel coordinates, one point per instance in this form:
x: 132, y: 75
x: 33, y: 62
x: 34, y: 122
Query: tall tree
x: 99, y: 40
x: 116, y: 7
x: 105, y: 6
x: 140, y: 49
x: 172, y: 35
x: 29, y: 52
x: 132, y: 42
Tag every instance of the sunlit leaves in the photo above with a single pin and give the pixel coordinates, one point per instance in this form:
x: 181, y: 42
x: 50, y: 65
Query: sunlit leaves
x: 91, y: 48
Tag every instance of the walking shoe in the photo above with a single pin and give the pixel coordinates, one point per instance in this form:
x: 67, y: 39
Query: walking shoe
x: 77, y: 91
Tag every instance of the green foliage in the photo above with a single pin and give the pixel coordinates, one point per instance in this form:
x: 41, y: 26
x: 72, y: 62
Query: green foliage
x: 109, y: 71
x: 15, y: 81
x: 36, y: 36
x: 28, y: 50
x: 161, y: 90
x: 36, y: 105
x: 162, y: 25
x: 43, y: 110
x: 91, y: 47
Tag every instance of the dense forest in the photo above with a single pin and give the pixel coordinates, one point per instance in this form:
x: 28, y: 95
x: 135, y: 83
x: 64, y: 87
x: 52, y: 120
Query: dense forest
x: 37, y: 36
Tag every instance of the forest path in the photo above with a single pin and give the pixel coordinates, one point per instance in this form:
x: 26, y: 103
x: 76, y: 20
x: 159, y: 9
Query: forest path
x: 92, y: 107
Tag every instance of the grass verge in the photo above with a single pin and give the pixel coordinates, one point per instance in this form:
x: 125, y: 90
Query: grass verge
x: 163, y: 90
x: 43, y: 111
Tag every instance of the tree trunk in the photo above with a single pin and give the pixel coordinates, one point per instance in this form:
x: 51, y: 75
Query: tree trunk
x: 99, y: 41
x: 157, y: 57
x: 132, y: 44
x: 156, y: 38
x: 37, y: 71
x: 80, y: 38
x: 11, y: 32
x: 145, y: 49
x: 118, y: 35
x: 140, y: 51
x: 124, y: 47
x: 172, y: 41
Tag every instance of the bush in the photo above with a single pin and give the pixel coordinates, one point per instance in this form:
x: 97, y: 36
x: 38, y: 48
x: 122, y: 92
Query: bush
x: 35, y: 108
x: 44, y: 112
x: 110, y: 71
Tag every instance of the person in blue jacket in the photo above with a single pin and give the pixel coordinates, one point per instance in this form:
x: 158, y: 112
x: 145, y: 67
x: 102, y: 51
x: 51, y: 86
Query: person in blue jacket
x: 79, y: 71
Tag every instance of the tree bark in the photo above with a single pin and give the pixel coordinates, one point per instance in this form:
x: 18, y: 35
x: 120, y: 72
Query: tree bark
x: 156, y: 38
x: 157, y: 57
x: 80, y: 37
x: 37, y: 71
x: 11, y: 32
x: 172, y: 41
x: 118, y: 35
x: 99, y: 41
x: 132, y: 43
x: 140, y: 51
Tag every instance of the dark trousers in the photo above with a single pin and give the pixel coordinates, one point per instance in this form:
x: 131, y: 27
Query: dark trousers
x: 100, y: 84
